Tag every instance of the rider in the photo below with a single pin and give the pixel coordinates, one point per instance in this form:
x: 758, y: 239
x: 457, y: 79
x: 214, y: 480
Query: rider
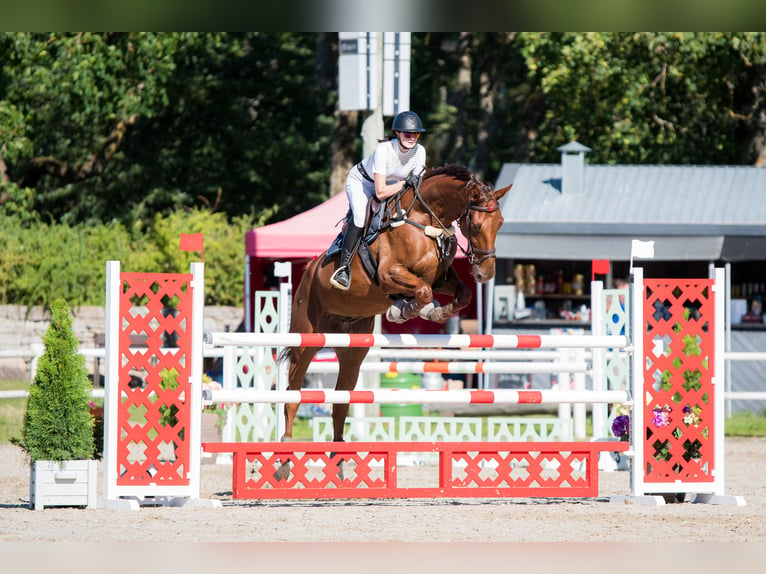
x: 396, y: 162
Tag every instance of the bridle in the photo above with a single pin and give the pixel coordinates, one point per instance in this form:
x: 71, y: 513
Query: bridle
x: 472, y: 251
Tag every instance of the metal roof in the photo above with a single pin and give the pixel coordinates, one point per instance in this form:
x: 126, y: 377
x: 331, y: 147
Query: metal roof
x: 692, y: 212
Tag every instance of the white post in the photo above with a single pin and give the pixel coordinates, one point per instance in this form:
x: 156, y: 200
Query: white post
x: 564, y: 384
x: 637, y: 381
x: 284, y: 270
x: 229, y: 383
x: 718, y: 377
x: 487, y: 289
x: 578, y: 409
x: 195, y: 401
x: 372, y: 127
x: 248, y: 297
x: 600, y: 411
x: 727, y: 337
x: 111, y: 377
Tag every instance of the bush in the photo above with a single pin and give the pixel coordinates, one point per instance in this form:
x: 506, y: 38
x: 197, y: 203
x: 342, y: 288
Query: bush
x: 42, y: 262
x: 58, y: 424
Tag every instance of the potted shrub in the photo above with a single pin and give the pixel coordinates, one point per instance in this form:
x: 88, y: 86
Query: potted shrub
x: 57, y: 432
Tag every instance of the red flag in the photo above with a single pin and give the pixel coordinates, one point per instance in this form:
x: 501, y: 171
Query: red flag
x: 193, y: 242
x: 599, y: 267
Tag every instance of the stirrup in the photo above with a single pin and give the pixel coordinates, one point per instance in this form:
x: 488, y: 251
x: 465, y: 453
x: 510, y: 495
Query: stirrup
x: 335, y: 280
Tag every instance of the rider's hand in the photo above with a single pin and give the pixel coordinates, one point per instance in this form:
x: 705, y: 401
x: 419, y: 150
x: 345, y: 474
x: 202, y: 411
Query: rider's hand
x: 412, y: 181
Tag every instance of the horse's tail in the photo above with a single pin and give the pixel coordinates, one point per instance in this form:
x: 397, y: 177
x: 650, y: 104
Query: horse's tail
x: 284, y: 355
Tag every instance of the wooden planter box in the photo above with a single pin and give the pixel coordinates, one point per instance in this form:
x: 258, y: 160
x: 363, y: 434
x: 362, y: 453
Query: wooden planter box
x: 67, y: 483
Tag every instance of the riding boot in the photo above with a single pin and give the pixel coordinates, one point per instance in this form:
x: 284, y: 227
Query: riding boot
x: 342, y: 276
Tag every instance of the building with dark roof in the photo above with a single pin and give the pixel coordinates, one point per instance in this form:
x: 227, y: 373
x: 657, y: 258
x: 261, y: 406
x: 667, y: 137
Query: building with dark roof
x: 560, y: 217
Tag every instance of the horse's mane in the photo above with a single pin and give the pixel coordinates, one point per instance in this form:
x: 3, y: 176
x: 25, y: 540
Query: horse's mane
x: 453, y: 170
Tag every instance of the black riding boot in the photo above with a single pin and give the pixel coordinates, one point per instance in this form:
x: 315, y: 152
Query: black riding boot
x: 342, y: 276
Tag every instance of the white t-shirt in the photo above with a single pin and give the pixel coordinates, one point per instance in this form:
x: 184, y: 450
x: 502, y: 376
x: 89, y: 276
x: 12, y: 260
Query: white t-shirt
x: 388, y: 159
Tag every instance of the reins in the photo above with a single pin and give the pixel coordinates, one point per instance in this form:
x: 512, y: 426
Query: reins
x: 400, y: 216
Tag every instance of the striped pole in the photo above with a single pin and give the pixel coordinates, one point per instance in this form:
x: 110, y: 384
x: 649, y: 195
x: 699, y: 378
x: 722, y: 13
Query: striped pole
x: 320, y: 340
x: 457, y: 367
x: 398, y: 396
x: 467, y: 355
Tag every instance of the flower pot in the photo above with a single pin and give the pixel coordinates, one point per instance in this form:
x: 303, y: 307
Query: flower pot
x: 66, y: 483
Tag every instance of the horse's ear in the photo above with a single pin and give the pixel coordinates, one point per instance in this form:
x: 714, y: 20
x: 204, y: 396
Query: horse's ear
x: 476, y: 193
x: 501, y: 192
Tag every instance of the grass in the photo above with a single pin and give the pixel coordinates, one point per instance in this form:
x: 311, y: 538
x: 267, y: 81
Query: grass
x: 742, y: 424
x: 746, y: 424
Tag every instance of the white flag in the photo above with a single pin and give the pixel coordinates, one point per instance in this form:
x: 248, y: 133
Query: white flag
x: 642, y: 249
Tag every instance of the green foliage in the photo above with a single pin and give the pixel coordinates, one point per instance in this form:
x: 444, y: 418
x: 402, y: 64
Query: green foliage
x: 649, y: 97
x: 57, y: 423
x: 224, y: 251
x: 42, y: 262
x: 122, y: 126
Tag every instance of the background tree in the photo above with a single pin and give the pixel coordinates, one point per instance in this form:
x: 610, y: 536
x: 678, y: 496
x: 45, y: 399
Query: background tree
x: 122, y: 126
x: 105, y: 136
x: 683, y: 98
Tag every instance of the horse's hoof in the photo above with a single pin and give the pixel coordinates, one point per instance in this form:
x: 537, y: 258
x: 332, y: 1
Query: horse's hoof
x: 341, y: 476
x: 286, y: 438
x: 283, y: 472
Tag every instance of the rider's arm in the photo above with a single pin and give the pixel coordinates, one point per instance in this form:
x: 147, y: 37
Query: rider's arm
x: 385, y: 190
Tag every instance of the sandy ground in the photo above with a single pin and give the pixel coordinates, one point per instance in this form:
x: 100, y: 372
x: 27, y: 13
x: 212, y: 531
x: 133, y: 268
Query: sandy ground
x: 383, y: 536
x: 432, y: 520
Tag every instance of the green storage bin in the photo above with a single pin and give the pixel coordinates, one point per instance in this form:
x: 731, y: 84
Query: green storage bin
x: 400, y: 381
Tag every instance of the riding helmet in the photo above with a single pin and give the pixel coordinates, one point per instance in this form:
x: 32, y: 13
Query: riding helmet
x: 407, y: 122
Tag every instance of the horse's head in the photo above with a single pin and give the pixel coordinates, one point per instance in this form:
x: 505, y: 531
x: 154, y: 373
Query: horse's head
x: 480, y: 224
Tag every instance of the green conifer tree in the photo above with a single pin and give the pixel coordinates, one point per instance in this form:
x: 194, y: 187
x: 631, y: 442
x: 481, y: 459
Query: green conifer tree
x: 58, y: 424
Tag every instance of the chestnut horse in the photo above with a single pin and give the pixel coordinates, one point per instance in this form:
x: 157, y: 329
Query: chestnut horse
x: 414, y: 252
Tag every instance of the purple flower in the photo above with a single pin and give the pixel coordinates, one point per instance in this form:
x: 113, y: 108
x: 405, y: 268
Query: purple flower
x: 660, y: 417
x: 620, y: 426
x: 687, y: 409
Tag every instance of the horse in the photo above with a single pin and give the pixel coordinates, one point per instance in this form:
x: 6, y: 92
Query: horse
x: 414, y: 253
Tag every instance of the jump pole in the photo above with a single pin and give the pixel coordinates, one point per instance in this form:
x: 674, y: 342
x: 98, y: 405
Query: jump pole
x: 412, y: 396
x: 320, y: 340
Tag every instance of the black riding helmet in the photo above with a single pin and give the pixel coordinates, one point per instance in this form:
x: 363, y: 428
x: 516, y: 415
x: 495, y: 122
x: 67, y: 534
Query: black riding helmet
x: 407, y: 122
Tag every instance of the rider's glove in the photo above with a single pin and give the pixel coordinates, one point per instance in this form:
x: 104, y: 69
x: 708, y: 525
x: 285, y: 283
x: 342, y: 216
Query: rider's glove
x: 412, y: 181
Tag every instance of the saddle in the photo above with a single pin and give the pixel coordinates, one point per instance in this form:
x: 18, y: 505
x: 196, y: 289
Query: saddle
x: 379, y: 216
x: 372, y: 228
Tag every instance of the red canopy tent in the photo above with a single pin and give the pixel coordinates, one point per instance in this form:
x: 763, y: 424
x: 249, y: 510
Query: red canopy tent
x: 307, y: 235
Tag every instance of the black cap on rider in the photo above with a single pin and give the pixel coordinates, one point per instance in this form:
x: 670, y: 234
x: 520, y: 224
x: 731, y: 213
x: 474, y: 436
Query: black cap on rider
x: 407, y: 122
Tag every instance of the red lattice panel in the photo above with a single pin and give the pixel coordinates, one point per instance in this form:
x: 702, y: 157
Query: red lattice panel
x: 678, y: 405
x: 153, y: 415
x: 370, y: 469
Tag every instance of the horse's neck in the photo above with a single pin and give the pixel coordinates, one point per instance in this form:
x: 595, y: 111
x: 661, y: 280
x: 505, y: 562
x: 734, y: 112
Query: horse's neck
x: 447, y: 202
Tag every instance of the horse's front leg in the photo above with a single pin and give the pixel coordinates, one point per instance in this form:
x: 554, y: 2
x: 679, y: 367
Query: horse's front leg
x: 413, y: 305
x: 300, y: 358
x: 299, y: 362
x: 349, y: 364
x: 461, y: 296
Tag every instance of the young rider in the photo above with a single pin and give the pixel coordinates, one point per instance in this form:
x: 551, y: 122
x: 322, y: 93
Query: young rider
x: 396, y: 162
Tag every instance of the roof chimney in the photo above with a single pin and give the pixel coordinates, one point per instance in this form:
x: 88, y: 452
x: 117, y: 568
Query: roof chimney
x: 572, y: 167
